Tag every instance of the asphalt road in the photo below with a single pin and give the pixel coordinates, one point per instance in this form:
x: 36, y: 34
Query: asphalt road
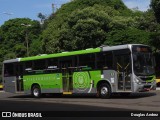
x: 7, y: 105
x: 138, y: 101
x: 82, y: 107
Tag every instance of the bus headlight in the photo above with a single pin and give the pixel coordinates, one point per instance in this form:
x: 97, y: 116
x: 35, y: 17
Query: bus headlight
x: 137, y: 80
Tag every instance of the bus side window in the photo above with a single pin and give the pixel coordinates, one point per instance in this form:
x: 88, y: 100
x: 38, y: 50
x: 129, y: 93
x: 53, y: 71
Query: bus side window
x: 104, y: 60
x: 28, y: 66
x: 109, y: 60
x: 52, y: 65
x: 39, y: 64
x: 86, y: 62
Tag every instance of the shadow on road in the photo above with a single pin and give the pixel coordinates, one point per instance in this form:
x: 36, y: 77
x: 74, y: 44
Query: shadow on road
x: 93, y: 96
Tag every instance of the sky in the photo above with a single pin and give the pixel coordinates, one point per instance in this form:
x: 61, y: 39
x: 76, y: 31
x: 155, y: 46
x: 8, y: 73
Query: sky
x: 10, y: 9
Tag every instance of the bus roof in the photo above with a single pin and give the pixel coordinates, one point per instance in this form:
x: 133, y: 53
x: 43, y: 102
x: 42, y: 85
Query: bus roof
x: 12, y: 60
x: 45, y: 56
x: 119, y: 47
x: 91, y: 50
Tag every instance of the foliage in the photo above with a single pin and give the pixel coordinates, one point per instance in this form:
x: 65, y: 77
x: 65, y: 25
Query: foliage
x: 155, y: 5
x: 84, y: 24
x: 155, y: 40
x: 79, y: 24
x: 127, y: 36
x: 14, y: 33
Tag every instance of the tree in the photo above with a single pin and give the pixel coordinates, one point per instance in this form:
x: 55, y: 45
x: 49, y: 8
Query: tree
x: 155, y: 5
x: 14, y: 32
x: 155, y: 40
x: 128, y: 36
x: 42, y: 17
x: 12, y: 38
x: 84, y: 24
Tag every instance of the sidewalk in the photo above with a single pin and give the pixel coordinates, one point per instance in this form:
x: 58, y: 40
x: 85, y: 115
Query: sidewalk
x: 158, y: 88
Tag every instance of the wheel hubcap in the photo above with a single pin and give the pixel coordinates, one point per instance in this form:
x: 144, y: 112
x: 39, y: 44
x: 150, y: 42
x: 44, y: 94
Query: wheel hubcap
x: 104, y: 91
x: 35, y: 92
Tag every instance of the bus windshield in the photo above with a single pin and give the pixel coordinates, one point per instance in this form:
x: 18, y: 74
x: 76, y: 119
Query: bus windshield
x: 143, y: 62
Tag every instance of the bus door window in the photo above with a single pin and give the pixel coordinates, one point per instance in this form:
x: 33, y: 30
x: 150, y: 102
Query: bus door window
x: 9, y: 69
x: 123, y: 67
x: 9, y: 80
x: 19, y: 76
x: 67, y: 72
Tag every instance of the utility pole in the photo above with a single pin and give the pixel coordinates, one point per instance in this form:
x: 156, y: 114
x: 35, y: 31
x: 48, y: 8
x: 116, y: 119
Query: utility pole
x: 53, y: 7
x: 26, y: 37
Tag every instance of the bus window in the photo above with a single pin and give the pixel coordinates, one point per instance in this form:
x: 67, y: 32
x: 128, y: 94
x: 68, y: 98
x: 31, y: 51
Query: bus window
x: 28, y: 64
x: 9, y: 69
x: 86, y: 61
x: 104, y: 60
x: 52, y: 65
x: 39, y: 65
x: 66, y: 63
x: 28, y: 67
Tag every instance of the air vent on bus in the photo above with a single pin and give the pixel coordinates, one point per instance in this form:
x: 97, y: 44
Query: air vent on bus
x: 89, y: 48
x: 41, y: 54
x: 65, y: 52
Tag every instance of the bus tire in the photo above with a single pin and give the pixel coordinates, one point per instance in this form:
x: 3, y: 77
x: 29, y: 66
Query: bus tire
x: 36, y: 91
x: 104, y: 91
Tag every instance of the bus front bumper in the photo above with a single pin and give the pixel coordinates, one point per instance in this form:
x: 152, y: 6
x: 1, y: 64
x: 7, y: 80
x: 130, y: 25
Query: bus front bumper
x: 1, y: 87
x: 144, y: 87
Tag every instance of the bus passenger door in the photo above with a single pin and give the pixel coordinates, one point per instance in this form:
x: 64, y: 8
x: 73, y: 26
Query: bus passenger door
x: 19, y: 80
x: 67, y: 72
x: 123, y: 67
x: 9, y: 78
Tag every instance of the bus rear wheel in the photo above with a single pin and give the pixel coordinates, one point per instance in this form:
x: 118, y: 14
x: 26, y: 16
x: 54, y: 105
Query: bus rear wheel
x: 36, y: 91
x: 104, y: 91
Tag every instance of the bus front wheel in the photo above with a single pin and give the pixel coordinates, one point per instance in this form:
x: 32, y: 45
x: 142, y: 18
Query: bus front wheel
x: 36, y: 91
x: 104, y: 91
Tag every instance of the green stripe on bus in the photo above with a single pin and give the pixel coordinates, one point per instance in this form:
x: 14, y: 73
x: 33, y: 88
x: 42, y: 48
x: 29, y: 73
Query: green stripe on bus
x: 61, y: 54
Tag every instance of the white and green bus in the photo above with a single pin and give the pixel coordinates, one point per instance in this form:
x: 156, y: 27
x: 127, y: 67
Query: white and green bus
x: 104, y: 71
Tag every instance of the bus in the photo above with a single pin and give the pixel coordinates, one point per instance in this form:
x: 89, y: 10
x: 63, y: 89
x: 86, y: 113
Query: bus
x: 105, y: 70
x: 157, y: 68
x: 1, y: 86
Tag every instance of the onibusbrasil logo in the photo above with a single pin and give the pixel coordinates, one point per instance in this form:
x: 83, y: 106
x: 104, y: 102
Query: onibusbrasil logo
x: 21, y: 114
